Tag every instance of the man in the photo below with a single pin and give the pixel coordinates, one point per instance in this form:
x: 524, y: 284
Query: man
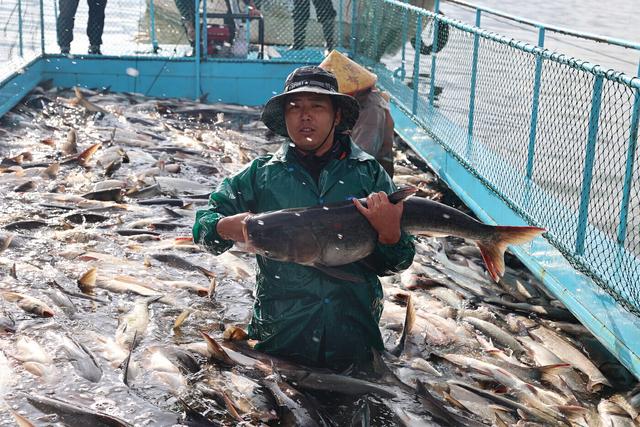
x: 300, y: 312
x: 373, y: 132
x: 326, y: 15
x: 95, y: 24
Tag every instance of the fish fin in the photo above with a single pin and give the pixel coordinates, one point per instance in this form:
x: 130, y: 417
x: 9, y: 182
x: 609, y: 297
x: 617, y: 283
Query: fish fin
x: 207, y: 273
x: 492, y: 249
x: 498, y: 421
x: 231, y: 406
x: 402, y: 194
x: 217, y: 351
x: 553, y: 368
x: 453, y: 401
x: 84, y: 157
x: 409, y: 321
x: 438, y: 411
x: 336, y: 273
x: 381, y: 369
x: 20, y: 420
x: 571, y: 411
x: 153, y: 298
x: 125, y: 363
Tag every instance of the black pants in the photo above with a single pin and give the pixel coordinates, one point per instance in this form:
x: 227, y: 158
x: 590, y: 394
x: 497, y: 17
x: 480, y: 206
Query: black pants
x: 326, y: 16
x: 67, y: 18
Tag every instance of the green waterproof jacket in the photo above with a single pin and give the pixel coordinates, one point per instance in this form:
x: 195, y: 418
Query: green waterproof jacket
x: 299, y: 311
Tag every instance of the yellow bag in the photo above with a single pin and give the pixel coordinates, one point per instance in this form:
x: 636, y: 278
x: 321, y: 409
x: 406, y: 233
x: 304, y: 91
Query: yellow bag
x: 352, y: 77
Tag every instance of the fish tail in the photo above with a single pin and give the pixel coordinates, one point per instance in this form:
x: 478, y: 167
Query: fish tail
x: 409, y: 321
x: 493, y: 248
x: 402, y: 194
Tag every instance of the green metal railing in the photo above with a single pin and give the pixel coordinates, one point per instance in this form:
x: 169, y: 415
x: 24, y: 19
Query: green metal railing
x: 553, y: 136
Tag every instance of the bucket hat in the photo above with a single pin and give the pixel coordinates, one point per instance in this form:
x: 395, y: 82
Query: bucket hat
x: 310, y: 79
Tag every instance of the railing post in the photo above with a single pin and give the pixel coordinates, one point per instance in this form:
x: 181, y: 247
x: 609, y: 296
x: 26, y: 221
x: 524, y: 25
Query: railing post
x: 354, y: 29
x: 55, y: 12
x: 376, y: 30
x: 401, y: 72
x: 628, y: 175
x: 416, y: 66
x: 474, y: 75
x: 340, y: 22
x: 583, y: 213
x: 205, y: 36
x: 152, y: 23
x: 20, y: 45
x: 535, y: 107
x: 432, y: 86
x: 197, y: 50
x: 42, y: 26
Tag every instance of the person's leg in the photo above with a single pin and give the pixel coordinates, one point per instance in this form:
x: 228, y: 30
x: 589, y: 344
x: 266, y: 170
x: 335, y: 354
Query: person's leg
x: 95, y: 25
x: 66, y: 19
x: 300, y: 19
x: 327, y: 17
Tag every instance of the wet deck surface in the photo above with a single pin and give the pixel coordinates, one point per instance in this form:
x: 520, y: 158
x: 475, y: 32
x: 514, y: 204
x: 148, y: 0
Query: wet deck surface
x: 95, y: 239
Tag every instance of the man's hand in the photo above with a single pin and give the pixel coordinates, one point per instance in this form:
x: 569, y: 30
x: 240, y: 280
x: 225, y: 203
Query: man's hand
x: 383, y: 216
x: 231, y: 227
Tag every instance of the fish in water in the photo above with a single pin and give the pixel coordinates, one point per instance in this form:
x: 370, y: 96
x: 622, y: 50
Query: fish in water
x: 337, y: 234
x: 133, y: 325
x: 29, y: 304
x: 74, y: 414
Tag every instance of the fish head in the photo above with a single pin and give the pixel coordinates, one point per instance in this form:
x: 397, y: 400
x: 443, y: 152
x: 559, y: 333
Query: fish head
x: 264, y: 238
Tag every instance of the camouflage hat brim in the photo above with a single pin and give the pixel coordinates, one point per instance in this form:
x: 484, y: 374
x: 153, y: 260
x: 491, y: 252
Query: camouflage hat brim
x: 273, y: 112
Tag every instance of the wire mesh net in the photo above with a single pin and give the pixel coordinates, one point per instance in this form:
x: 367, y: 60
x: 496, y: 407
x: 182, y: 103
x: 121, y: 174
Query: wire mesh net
x: 549, y: 135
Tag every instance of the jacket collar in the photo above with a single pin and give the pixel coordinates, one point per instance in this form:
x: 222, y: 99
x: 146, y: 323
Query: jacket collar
x: 284, y: 155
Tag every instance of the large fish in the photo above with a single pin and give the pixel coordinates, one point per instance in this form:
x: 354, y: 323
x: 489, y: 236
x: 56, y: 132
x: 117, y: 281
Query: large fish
x: 337, y: 234
x: 73, y: 413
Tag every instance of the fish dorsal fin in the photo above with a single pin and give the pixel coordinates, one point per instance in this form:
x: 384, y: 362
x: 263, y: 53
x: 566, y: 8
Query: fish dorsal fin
x: 402, y: 194
x: 217, y: 352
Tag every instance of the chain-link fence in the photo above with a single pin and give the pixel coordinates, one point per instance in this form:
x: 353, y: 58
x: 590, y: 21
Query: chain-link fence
x: 285, y: 30
x: 552, y: 136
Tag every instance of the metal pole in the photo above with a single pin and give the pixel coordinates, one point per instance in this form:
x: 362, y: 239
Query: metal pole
x: 416, y: 66
x: 205, y: 36
x: 535, y: 107
x: 55, y: 13
x: 353, y: 45
x: 20, y: 46
x: 400, y: 72
x: 373, y: 54
x: 340, y: 22
x: 197, y: 49
x: 152, y: 17
x: 583, y: 213
x: 432, y: 88
x: 474, y: 74
x: 628, y: 175
x: 42, y: 26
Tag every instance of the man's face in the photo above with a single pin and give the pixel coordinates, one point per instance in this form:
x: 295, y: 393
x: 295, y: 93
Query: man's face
x: 310, y: 118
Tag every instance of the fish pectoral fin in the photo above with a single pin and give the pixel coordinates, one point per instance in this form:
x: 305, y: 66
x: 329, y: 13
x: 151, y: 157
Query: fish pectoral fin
x: 336, y: 273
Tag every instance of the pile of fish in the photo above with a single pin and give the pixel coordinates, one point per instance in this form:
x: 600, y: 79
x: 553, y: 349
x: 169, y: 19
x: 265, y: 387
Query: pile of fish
x: 110, y: 315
